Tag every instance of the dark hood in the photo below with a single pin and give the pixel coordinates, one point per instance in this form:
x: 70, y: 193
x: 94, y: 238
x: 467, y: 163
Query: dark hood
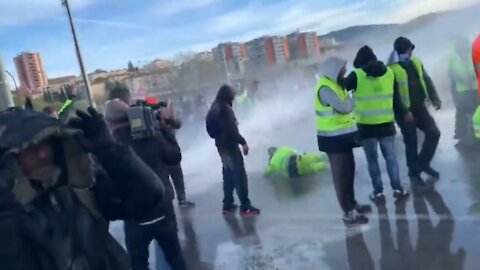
x: 375, y: 69
x: 20, y: 129
x: 225, y: 95
x: 403, y: 45
x: 364, y: 56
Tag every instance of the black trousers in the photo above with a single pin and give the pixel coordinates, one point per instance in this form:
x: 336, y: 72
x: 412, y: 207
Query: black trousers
x: 234, y: 178
x: 343, y: 173
x: 176, y: 174
x: 138, y: 238
x: 417, y: 161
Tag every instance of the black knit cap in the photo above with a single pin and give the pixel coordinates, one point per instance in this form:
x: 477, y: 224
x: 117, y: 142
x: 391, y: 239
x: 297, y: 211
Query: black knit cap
x: 364, y: 56
x: 402, y: 45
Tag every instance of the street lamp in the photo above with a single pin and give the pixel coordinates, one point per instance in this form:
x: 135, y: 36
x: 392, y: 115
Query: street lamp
x: 6, y: 100
x: 66, y: 4
x: 13, y: 79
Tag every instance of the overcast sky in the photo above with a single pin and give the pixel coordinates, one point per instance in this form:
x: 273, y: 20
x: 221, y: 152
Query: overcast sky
x: 112, y: 32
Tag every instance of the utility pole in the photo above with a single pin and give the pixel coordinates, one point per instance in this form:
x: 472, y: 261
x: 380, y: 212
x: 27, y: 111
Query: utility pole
x: 225, y: 64
x: 66, y: 4
x: 13, y: 79
x: 6, y: 99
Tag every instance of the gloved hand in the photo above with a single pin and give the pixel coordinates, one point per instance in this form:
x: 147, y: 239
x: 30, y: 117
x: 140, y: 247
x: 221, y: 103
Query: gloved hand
x: 437, y: 104
x: 95, y: 132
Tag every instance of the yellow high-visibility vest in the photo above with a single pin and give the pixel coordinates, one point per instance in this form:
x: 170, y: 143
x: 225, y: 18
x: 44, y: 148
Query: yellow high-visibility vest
x: 402, y: 80
x: 476, y: 122
x: 330, y: 123
x: 374, y: 98
x: 463, y: 72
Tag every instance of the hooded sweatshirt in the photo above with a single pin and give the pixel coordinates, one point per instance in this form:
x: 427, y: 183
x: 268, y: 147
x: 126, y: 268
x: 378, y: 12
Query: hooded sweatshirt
x: 39, y: 227
x: 417, y: 96
x: 229, y: 139
x: 343, y: 143
x: 377, y: 69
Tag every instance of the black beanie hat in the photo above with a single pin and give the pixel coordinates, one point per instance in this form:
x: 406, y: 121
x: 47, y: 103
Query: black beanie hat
x: 402, y: 45
x: 364, y: 56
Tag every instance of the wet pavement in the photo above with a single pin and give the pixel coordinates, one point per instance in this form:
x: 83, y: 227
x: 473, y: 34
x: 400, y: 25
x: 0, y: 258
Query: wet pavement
x: 300, y: 226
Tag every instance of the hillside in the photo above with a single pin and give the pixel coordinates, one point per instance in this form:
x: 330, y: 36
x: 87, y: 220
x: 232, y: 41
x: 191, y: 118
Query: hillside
x: 437, y: 26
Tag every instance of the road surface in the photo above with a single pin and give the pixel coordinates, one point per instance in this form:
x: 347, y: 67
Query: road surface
x: 300, y: 226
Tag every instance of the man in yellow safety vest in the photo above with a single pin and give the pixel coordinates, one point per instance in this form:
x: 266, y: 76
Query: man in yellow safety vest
x: 376, y: 98
x: 416, y: 89
x: 288, y: 162
x: 464, y: 89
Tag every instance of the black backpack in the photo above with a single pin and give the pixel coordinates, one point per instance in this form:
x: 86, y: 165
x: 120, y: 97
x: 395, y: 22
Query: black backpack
x: 212, y: 123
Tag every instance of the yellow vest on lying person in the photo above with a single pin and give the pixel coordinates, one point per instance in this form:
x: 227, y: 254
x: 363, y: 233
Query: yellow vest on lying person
x: 331, y: 123
x: 279, y: 161
x: 374, y: 98
x: 402, y: 80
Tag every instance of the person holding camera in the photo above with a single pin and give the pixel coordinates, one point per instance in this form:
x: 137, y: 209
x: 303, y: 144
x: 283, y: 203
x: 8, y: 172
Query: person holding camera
x: 169, y: 124
x: 159, y: 153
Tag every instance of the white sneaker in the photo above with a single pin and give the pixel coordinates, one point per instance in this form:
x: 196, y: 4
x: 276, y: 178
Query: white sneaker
x: 400, y: 193
x: 353, y: 217
x: 376, y: 197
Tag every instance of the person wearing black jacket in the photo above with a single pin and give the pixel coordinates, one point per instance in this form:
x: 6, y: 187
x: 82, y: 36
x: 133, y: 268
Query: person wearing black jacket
x: 419, y: 88
x: 158, y: 154
x: 379, y: 130
x: 56, y: 201
x: 227, y: 142
x: 168, y: 126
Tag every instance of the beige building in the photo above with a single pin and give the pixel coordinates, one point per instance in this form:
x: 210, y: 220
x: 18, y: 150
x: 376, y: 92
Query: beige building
x: 30, y: 71
x: 56, y: 84
x: 159, y: 64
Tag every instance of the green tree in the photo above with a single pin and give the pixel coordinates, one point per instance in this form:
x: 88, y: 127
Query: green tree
x: 130, y: 68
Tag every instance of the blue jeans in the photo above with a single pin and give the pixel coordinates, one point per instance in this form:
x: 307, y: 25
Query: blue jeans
x: 387, y: 146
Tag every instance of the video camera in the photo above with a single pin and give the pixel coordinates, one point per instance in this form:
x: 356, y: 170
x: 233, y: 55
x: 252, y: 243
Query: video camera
x: 145, y: 118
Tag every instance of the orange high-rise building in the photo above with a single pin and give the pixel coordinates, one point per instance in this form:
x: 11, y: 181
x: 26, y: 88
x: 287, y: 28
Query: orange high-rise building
x: 30, y: 71
x: 268, y: 51
x: 304, y: 45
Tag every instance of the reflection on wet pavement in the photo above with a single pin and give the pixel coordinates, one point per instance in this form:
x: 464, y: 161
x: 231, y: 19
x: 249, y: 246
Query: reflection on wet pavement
x: 432, y: 249
x: 300, y: 226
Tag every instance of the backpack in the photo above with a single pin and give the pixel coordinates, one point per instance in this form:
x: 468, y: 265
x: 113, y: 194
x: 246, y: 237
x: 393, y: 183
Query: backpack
x: 212, y: 122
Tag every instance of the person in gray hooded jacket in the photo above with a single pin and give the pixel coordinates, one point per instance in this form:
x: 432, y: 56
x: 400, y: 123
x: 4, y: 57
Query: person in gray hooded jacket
x: 337, y: 136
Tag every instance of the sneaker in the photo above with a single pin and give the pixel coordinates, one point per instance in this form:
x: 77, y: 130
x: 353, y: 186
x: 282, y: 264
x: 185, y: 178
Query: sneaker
x: 363, y: 208
x: 250, y: 211
x: 377, y: 197
x: 229, y: 210
x: 431, y: 172
x: 353, y: 217
x: 186, y: 204
x: 400, y: 193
